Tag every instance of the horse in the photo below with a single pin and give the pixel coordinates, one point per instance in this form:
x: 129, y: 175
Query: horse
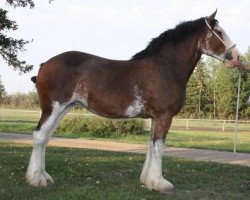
x: 152, y: 84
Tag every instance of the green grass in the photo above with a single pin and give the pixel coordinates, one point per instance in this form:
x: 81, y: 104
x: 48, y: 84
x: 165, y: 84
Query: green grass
x: 216, y: 140
x: 19, y: 115
x: 17, y: 127
x: 90, y: 174
x: 204, y: 138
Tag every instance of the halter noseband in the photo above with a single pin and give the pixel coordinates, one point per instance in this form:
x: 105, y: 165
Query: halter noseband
x: 228, y: 50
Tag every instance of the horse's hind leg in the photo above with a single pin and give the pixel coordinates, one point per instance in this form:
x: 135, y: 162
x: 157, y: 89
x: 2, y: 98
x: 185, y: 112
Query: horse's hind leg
x: 51, y: 116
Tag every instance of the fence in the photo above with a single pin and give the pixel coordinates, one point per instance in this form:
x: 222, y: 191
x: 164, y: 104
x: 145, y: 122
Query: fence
x: 32, y: 116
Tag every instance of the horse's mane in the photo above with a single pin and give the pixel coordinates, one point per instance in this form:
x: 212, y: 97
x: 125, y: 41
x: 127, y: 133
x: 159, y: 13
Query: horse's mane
x: 179, y: 33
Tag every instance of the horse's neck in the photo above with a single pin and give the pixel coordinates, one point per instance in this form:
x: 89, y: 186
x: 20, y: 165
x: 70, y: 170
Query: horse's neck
x: 186, y: 55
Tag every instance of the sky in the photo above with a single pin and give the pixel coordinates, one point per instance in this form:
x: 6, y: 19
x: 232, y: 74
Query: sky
x: 115, y: 29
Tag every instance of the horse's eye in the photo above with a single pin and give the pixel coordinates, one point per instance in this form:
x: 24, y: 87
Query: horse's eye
x: 220, y: 33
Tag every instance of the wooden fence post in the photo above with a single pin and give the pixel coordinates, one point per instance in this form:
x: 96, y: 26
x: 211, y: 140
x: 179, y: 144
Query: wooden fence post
x: 223, y: 127
x: 187, y: 125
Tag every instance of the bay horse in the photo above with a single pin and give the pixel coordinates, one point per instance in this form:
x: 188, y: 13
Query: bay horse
x: 152, y: 84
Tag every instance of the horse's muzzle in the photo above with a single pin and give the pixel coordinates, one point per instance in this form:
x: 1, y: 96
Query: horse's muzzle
x: 232, y: 58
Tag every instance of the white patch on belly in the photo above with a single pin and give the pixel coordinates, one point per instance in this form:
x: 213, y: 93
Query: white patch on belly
x: 137, y: 105
x: 80, y: 95
x: 83, y: 99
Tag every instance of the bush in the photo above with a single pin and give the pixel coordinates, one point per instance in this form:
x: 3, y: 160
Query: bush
x: 99, y: 127
x: 130, y: 126
x: 73, y: 125
x: 21, y: 100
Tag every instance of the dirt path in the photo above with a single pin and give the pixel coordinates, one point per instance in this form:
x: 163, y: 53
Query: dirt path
x: 194, y: 154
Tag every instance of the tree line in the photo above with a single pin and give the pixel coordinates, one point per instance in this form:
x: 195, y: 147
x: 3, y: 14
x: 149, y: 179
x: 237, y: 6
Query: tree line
x: 211, y: 92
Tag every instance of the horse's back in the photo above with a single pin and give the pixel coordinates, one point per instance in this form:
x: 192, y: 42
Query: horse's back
x: 78, y: 72
x: 74, y: 65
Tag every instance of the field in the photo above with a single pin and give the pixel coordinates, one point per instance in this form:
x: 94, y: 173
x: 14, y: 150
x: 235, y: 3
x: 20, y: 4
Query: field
x: 205, y: 134
x: 90, y: 174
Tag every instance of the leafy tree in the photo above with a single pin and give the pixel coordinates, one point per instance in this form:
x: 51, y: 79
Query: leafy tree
x: 213, y: 85
x: 21, y: 3
x: 190, y: 107
x: 196, y: 95
x: 2, y: 91
x: 226, y: 92
x: 245, y: 88
x: 212, y: 91
x: 202, y: 78
x: 10, y: 47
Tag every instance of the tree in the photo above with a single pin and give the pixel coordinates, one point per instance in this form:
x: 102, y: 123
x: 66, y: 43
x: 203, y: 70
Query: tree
x: 245, y: 88
x: 212, y: 91
x: 213, y: 66
x: 197, y: 100
x: 201, y: 76
x: 10, y: 47
x: 2, y: 91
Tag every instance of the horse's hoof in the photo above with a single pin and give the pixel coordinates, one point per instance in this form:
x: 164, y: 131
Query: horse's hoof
x: 160, y: 185
x: 39, y: 179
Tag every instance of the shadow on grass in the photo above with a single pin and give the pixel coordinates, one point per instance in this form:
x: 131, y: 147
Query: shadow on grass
x: 92, y: 174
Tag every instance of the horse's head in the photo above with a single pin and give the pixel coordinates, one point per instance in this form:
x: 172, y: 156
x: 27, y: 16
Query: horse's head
x: 217, y: 44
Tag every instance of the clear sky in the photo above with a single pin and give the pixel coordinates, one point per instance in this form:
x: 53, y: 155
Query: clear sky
x: 114, y: 29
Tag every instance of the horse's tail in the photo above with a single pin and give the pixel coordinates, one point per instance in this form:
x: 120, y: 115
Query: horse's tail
x: 33, y: 78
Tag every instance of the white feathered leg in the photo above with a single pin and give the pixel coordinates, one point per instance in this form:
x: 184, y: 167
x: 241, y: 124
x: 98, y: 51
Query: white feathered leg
x: 151, y: 174
x: 36, y: 174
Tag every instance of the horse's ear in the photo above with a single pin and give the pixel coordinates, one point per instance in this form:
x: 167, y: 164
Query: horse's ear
x: 211, y: 17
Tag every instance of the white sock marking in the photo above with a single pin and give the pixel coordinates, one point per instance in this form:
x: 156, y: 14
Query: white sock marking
x: 36, y: 174
x: 152, y: 171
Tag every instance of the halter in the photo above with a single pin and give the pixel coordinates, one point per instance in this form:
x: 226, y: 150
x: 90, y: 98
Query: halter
x: 223, y: 42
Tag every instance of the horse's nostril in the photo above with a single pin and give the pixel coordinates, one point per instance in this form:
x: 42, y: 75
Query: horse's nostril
x: 229, y: 55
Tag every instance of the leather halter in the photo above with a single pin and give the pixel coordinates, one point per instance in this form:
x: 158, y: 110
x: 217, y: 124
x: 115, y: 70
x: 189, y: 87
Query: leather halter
x: 228, y: 50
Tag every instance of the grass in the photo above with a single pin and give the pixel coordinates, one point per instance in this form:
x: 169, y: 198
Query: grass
x: 199, y: 135
x: 216, y: 140
x: 15, y: 115
x: 91, y: 174
x: 17, y: 127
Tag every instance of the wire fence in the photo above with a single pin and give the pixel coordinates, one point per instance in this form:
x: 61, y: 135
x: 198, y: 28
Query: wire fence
x: 32, y: 116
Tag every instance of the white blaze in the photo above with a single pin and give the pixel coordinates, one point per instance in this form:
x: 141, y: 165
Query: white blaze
x: 225, y: 40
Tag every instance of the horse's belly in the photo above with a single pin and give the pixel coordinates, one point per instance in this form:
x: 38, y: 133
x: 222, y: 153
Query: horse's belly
x: 113, y: 107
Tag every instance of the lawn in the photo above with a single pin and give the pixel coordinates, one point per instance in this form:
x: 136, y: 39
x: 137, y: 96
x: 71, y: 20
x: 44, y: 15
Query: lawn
x: 92, y: 174
x: 200, y: 134
x: 216, y: 140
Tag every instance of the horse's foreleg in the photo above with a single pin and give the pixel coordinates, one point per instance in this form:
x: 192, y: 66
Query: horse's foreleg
x: 36, y: 174
x: 151, y: 174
